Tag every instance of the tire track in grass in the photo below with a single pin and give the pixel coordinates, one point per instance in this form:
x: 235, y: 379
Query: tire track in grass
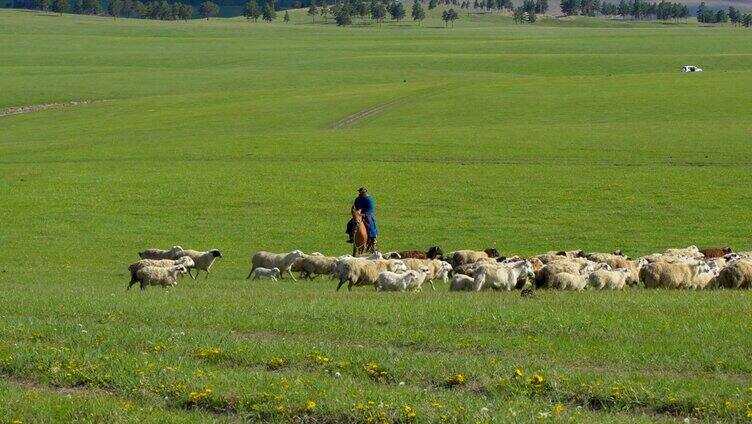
x: 47, y: 106
x: 353, y: 119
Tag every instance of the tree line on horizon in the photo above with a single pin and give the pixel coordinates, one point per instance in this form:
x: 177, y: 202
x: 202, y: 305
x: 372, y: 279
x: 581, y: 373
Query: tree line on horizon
x: 344, y: 12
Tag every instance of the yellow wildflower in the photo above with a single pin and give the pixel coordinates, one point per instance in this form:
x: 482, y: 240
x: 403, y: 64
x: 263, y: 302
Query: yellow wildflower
x: 536, y: 380
x: 310, y: 406
x: 558, y: 408
x: 518, y: 373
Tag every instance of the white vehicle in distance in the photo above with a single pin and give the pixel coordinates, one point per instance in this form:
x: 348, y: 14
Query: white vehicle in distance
x: 691, y: 68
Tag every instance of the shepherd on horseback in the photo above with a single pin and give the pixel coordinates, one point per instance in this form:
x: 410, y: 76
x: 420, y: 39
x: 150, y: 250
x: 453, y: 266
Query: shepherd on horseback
x: 361, y: 229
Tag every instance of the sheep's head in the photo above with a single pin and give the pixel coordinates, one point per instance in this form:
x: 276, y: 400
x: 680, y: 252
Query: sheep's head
x: 216, y: 253
x: 424, y: 269
x: 276, y: 271
x: 527, y: 269
x: 297, y: 254
x: 492, y: 252
x: 693, y: 248
x: 617, y: 252
x: 176, y: 249
x: 728, y: 250
x: 731, y: 258
x: 435, y: 252
x: 642, y: 262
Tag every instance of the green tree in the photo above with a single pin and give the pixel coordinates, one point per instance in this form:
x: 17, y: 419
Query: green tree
x: 704, y: 15
x: 186, y: 12
x: 251, y: 10
x: 518, y: 15
x: 208, y: 9
x: 734, y: 15
x: 268, y: 13
x: 432, y: 4
x: 312, y: 11
x: 115, y: 8
x: 361, y: 9
x: 165, y: 11
x: 418, y: 13
x: 747, y: 20
x: 325, y: 12
x: 378, y: 12
x: 541, y: 6
x: 397, y: 10
x: 91, y: 7
x: 570, y: 7
x: 59, y: 6
x: 43, y: 5
x: 138, y: 9
x: 343, y: 15
x: 529, y: 7
x: 721, y: 16
x: 449, y: 16
x: 286, y: 18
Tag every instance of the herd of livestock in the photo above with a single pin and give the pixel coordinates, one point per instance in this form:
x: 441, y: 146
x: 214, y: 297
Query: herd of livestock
x: 471, y: 270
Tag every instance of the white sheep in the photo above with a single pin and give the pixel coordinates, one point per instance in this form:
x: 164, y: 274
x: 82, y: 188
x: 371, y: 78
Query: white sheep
x: 461, y: 282
x: 703, y: 278
x: 614, y: 280
x: 265, y: 272
x: 359, y: 272
x: 164, y: 263
x: 283, y: 261
x: 391, y: 281
x: 153, y: 275
x: 502, y: 276
x: 671, y: 275
x: 172, y: 253
x: 568, y: 281
x: 436, y: 268
x: 312, y: 266
x: 202, y: 261
x: 423, y: 273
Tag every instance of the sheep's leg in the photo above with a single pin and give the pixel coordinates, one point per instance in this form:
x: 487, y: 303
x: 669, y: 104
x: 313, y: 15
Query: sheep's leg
x: 341, y: 282
x: 191, y: 274
x: 207, y: 274
x: 130, y: 284
x: 249, y: 274
x: 289, y: 271
x: 432, y: 286
x: 349, y: 286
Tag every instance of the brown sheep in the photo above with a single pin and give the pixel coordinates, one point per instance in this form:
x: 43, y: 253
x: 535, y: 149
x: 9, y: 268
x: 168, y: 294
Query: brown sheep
x: 716, y: 253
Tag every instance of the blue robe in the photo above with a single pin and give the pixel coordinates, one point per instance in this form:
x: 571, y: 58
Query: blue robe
x: 367, y: 205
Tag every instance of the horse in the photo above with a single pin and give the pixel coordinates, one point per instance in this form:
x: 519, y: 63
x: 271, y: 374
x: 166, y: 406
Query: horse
x: 361, y: 242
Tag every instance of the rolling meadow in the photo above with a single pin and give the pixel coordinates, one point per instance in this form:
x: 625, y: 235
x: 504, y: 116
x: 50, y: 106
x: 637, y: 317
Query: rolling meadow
x: 222, y: 133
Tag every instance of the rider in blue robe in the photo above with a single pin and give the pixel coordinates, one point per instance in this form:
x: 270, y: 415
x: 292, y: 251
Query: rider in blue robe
x: 365, y: 203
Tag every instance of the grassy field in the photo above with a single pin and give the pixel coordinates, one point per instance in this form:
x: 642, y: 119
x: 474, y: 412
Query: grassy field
x: 239, y: 136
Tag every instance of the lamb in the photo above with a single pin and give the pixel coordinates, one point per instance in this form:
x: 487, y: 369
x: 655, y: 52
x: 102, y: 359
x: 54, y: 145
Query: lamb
x: 569, y: 281
x: 164, y: 263
x: 265, y: 272
x: 359, y: 272
x: 391, y: 281
x: 502, y: 276
x: 153, y: 275
x: 417, y: 285
x: 671, y: 274
x: 434, y: 268
x: 716, y: 253
x: 462, y: 282
x: 703, y: 279
x: 313, y: 266
x: 283, y: 261
x: 172, y: 253
x: 202, y: 261
x: 433, y: 252
x: 614, y: 280
x: 737, y: 275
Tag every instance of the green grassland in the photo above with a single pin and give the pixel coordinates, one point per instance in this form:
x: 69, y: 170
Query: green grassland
x: 234, y: 135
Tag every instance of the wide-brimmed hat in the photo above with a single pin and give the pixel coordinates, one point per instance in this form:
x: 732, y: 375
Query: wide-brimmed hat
x: 362, y: 189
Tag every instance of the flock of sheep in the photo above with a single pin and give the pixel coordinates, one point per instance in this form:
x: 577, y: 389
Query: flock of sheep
x: 471, y: 270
